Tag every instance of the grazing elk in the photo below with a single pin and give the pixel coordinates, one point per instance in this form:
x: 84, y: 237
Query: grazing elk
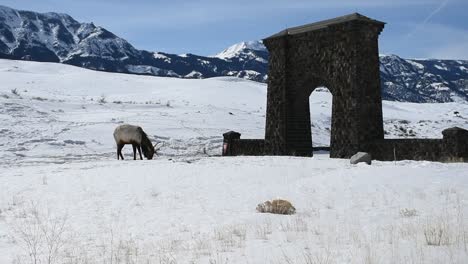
x: 128, y: 134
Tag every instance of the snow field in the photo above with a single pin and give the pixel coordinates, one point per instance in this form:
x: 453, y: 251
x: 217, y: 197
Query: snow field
x: 164, y: 211
x: 64, y: 198
x: 59, y: 113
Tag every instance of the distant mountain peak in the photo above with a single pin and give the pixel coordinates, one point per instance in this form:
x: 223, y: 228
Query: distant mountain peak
x: 54, y: 37
x: 238, y: 48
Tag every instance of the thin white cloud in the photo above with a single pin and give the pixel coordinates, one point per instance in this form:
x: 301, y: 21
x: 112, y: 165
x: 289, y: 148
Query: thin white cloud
x: 160, y: 21
x: 345, y: 4
x: 182, y: 14
x: 428, y: 18
x: 437, y: 10
x: 179, y: 14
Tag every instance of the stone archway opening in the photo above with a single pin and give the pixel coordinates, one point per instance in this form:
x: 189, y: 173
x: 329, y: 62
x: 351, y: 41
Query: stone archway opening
x: 341, y: 54
x: 320, y: 106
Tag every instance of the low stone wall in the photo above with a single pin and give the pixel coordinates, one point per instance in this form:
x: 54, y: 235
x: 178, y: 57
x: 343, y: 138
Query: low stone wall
x: 234, y: 146
x: 452, y: 148
x: 248, y: 147
x: 407, y: 149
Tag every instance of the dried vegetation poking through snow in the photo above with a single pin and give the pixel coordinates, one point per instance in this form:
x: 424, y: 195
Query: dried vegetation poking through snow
x: 175, y: 212
x: 64, y: 199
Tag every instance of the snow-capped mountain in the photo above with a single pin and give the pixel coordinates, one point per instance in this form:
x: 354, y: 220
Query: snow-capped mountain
x: 419, y: 80
x: 52, y: 37
x: 250, y: 59
x: 407, y: 80
x: 58, y: 38
x: 247, y: 50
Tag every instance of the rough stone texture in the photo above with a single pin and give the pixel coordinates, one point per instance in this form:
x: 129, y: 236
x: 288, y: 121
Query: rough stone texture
x: 452, y: 148
x: 341, y: 54
x: 455, y: 144
x: 361, y: 157
x: 229, y: 137
x: 406, y: 149
x: 248, y: 147
x: 234, y: 146
x: 275, y: 143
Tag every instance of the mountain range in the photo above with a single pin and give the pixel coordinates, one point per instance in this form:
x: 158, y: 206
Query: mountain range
x: 53, y: 37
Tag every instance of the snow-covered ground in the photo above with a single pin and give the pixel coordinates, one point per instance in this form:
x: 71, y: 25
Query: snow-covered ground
x: 56, y: 113
x: 65, y: 113
x: 165, y: 211
x: 63, y: 193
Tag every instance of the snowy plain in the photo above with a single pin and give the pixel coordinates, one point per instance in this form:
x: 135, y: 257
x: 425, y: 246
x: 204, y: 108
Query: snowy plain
x: 64, y: 198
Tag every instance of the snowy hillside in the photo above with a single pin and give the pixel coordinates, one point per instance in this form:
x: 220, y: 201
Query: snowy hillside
x: 417, y: 80
x: 52, y: 37
x: 55, y: 111
x: 66, y: 199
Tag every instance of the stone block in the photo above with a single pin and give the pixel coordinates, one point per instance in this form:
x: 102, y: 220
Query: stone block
x: 361, y: 157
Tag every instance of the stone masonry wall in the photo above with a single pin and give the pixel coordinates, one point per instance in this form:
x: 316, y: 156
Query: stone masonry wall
x: 275, y: 132
x: 452, y: 148
x: 342, y: 57
x: 341, y: 54
x: 248, y: 147
x: 406, y: 149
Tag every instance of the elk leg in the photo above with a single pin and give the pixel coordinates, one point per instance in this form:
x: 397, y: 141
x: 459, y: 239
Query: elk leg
x: 119, y: 151
x: 134, y: 151
x: 139, y: 151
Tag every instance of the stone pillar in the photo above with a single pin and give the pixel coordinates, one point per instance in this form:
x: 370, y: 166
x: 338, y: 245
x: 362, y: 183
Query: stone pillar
x: 456, y: 144
x: 275, y: 127
x: 357, y: 102
x: 367, y: 83
x: 228, y: 142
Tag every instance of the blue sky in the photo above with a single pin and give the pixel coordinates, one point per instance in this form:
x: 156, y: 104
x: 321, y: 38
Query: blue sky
x: 415, y: 28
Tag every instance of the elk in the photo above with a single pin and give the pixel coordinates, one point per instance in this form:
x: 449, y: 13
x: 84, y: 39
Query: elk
x: 129, y: 134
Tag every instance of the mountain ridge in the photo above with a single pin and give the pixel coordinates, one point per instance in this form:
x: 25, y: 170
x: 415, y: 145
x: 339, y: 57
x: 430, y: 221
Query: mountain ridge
x: 56, y: 37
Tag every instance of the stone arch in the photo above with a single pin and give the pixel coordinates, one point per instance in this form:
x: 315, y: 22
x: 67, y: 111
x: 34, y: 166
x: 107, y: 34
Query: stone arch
x: 341, y: 54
